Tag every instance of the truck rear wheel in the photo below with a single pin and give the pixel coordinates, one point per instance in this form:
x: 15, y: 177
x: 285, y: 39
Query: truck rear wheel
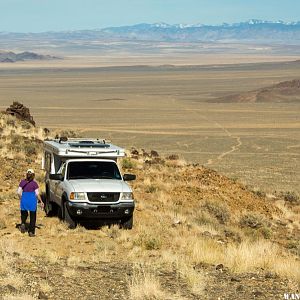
x: 50, y: 208
x: 66, y: 217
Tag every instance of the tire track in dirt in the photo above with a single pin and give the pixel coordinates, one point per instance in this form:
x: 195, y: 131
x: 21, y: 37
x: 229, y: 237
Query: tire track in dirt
x: 232, y: 149
x: 222, y: 155
x: 228, y: 133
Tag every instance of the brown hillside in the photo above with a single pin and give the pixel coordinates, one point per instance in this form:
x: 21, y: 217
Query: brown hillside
x: 285, y: 92
x: 196, y: 235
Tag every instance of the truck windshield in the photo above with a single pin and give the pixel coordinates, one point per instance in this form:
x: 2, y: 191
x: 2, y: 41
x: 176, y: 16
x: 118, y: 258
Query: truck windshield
x: 93, y: 170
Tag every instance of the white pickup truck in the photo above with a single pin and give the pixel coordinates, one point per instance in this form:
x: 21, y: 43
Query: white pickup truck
x: 83, y: 182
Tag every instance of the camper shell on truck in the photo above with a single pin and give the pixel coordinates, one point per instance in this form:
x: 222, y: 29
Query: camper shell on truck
x: 83, y: 182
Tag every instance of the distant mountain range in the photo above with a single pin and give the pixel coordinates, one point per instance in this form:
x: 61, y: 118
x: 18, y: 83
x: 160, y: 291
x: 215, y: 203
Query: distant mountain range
x: 11, y: 57
x: 251, y: 31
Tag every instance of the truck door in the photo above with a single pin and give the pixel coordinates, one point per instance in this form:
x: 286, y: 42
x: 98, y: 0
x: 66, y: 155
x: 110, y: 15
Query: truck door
x: 59, y: 185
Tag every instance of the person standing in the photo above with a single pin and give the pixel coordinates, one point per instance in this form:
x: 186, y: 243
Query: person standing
x: 28, y: 192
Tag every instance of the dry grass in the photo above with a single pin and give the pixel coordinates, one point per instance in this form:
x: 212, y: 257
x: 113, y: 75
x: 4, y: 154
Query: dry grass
x: 219, y: 210
x: 176, y: 163
x: 9, y: 274
x: 195, y: 279
x: 185, y: 216
x: 57, y: 228
x: 18, y: 297
x: 206, y: 250
x: 288, y: 268
x: 3, y: 223
x: 14, y: 279
x: 69, y: 273
x: 248, y: 256
x: 12, y: 248
x: 144, y: 285
x: 51, y: 256
x: 19, y: 141
x: 75, y: 261
x: 211, y: 229
x: 112, y: 232
x: 128, y: 163
x: 288, y: 213
x: 251, y: 256
x: 79, y: 229
x: 148, y: 241
x: 45, y: 287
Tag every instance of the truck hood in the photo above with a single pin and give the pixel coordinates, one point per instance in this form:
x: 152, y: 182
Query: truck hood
x: 100, y: 185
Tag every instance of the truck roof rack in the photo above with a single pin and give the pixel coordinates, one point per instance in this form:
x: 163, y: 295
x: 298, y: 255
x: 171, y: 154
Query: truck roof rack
x: 83, y: 147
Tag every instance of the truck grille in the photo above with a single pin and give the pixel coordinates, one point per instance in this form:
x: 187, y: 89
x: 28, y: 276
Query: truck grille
x: 103, y: 197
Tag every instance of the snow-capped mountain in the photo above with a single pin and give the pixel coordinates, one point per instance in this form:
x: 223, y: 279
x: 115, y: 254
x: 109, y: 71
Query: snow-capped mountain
x: 252, y: 30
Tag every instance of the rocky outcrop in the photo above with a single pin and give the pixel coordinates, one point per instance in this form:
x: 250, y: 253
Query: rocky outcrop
x: 20, y: 111
x: 295, y: 84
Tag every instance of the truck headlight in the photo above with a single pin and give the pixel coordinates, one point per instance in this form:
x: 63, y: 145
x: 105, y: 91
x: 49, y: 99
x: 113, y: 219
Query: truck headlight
x: 77, y: 196
x: 127, y: 196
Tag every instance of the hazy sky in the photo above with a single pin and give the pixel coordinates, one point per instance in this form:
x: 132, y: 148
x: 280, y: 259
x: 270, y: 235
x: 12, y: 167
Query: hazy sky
x: 45, y: 15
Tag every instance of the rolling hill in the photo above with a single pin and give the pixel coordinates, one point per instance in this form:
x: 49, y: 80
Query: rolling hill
x: 11, y: 57
x: 283, y: 92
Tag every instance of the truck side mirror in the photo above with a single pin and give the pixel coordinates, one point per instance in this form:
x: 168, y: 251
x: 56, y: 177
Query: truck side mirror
x: 129, y: 177
x: 59, y: 177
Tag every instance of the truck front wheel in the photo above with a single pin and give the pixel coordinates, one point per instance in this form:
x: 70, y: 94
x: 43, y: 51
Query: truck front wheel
x: 127, y: 223
x: 66, y: 217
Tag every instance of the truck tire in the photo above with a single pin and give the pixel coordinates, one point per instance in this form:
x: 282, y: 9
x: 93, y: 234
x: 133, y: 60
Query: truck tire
x: 60, y: 212
x: 66, y: 217
x: 127, y: 223
x: 50, y: 208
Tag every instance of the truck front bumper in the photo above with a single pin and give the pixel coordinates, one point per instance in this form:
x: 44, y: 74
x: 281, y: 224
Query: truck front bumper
x: 100, y: 211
